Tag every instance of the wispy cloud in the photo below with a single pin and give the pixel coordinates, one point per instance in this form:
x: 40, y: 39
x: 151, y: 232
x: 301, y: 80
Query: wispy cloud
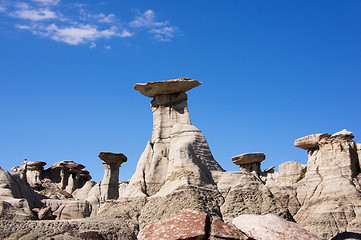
x: 146, y: 19
x: 74, y: 24
x: 160, y: 30
x: 163, y: 34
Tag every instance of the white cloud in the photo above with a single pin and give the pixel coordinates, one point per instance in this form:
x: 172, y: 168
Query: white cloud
x: 35, y: 15
x: 125, y: 33
x: 79, y: 34
x: 47, y: 2
x: 77, y: 25
x: 147, y: 19
x: 25, y: 11
x: 107, y: 47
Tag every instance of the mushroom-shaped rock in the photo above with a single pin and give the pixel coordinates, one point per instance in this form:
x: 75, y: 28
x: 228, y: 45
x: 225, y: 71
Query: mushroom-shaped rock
x: 249, y: 162
x: 69, y: 174
x: 109, y: 185
x: 152, y: 89
x: 247, y: 158
x: 310, y: 141
x: 343, y: 135
x: 34, y: 171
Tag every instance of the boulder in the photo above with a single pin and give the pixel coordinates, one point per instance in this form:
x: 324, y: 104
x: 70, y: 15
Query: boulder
x: 271, y: 226
x: 186, y: 224
x: 152, y: 89
x: 45, y: 213
x: 247, y: 158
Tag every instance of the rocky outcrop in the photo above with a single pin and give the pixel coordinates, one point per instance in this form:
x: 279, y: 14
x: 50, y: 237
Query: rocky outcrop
x: 329, y: 197
x: 109, y: 186
x: 271, y: 226
x: 325, y: 195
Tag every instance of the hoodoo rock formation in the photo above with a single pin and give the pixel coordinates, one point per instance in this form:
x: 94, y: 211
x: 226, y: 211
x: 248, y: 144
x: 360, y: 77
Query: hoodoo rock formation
x: 179, y: 191
x: 325, y: 195
x: 109, y: 185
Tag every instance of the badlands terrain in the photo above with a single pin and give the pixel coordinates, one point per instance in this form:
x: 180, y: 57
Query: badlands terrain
x: 179, y: 191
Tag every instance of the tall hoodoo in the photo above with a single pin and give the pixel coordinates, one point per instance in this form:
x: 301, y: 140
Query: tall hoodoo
x: 173, y: 136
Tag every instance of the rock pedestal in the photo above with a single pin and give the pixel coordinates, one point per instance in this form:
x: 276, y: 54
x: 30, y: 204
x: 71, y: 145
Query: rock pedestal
x: 109, y: 185
x: 249, y: 162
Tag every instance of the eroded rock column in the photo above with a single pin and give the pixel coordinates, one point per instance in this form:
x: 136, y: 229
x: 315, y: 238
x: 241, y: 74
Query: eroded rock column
x: 109, y: 185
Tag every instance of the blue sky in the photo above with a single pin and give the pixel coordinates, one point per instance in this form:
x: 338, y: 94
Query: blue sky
x: 272, y: 71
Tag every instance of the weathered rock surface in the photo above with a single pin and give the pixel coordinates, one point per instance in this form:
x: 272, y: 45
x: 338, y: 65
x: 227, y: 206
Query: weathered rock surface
x: 152, y: 89
x: 271, y: 227
x: 109, y: 228
x: 186, y: 224
x: 245, y: 193
x: 68, y: 209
